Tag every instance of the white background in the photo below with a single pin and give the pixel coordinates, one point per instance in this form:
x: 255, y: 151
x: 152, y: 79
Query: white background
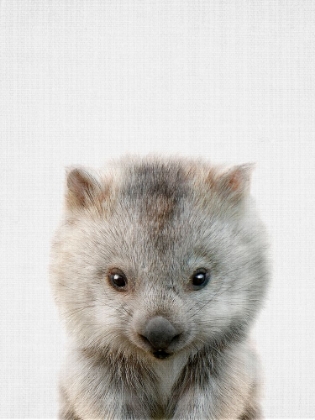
x: 83, y: 81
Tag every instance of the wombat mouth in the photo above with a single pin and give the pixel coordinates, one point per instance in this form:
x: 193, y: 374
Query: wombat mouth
x: 161, y: 354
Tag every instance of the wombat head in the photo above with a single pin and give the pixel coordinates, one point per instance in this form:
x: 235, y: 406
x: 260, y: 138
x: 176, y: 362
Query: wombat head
x: 158, y: 256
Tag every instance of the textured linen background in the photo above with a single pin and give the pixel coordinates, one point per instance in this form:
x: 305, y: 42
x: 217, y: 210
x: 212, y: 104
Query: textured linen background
x: 83, y: 81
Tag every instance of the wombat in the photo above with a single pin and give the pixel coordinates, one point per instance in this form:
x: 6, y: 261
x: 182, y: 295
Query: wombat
x: 159, y: 269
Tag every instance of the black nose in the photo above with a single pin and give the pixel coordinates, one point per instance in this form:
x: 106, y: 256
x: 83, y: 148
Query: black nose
x: 160, y: 333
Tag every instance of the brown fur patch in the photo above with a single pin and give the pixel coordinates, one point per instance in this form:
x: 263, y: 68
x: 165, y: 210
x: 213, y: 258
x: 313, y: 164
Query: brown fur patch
x: 159, y: 209
x: 156, y: 189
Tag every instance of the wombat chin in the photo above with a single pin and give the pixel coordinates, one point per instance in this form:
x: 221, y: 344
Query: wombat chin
x: 159, y: 269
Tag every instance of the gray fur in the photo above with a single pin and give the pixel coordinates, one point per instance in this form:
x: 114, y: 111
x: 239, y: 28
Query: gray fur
x: 159, y: 220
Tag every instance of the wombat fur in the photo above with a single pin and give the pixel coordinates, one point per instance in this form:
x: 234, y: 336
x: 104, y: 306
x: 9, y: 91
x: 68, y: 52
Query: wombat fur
x: 159, y: 269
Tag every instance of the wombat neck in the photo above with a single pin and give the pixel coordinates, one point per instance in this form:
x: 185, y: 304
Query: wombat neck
x: 168, y: 372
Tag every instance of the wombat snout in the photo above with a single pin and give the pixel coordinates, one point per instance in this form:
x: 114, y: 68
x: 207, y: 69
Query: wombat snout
x: 160, y: 333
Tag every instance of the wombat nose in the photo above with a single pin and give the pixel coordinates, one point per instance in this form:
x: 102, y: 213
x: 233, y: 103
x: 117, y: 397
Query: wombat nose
x: 160, y: 333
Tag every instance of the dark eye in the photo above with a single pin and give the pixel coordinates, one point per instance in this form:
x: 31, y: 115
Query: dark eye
x: 117, y: 278
x: 200, y: 278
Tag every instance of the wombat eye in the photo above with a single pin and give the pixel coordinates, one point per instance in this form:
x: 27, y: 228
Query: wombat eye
x: 200, y: 278
x: 117, y: 278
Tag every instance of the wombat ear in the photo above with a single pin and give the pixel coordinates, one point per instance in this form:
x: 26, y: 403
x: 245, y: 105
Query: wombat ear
x: 82, y: 187
x: 235, y: 182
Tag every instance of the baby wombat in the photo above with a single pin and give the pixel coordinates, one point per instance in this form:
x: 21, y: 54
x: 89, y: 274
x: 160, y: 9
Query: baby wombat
x: 159, y: 269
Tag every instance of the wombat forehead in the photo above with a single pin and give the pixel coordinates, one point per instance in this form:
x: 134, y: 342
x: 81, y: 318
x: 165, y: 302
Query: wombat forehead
x: 142, y: 180
x: 155, y: 190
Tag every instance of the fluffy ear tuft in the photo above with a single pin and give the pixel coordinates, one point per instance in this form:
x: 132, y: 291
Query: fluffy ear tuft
x: 235, y: 182
x: 82, y: 187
